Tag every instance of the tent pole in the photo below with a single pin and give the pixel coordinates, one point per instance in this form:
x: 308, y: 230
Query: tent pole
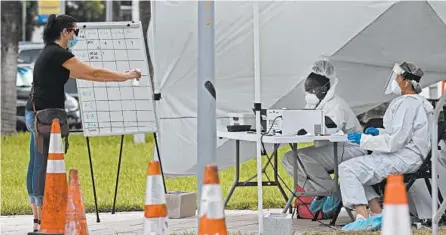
x: 206, y: 97
x: 258, y: 108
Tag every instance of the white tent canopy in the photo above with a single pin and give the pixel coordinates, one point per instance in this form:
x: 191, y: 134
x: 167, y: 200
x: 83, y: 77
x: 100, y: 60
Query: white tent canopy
x: 362, y: 39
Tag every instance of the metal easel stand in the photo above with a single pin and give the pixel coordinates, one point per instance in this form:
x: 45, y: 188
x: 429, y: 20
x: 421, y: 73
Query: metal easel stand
x: 248, y: 183
x: 92, y: 177
x: 92, y: 180
x: 118, y: 172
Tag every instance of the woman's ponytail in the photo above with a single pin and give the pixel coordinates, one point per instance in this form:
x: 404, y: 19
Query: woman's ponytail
x: 51, y: 21
x: 50, y: 32
x: 54, y: 27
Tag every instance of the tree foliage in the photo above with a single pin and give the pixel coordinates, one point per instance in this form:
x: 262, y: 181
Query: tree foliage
x: 86, y: 11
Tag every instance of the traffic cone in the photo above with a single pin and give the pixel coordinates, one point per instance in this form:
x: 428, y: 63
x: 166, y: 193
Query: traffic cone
x: 55, y: 195
x: 396, y: 218
x: 212, y: 215
x: 75, y: 221
x: 155, y: 206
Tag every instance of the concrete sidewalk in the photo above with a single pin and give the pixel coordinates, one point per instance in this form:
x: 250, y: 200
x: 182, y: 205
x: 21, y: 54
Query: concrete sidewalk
x: 130, y: 223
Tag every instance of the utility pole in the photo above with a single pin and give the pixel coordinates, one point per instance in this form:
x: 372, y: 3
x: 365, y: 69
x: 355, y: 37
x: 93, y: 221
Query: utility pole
x: 109, y: 11
x: 62, y: 7
x: 206, y: 96
x: 137, y: 138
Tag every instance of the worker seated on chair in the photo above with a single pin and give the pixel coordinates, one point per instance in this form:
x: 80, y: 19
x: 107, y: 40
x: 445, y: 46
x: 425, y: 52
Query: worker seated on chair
x: 318, y: 160
x: 399, y: 148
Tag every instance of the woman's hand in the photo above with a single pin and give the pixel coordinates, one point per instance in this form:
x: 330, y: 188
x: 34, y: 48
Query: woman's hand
x: 132, y: 74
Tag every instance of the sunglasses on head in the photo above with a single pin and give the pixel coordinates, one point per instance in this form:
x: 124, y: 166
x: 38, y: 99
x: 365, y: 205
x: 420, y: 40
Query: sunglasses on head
x: 76, y: 31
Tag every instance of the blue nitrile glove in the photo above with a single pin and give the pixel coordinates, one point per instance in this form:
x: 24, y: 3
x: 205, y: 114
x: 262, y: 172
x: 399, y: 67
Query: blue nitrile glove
x: 371, y: 131
x: 354, y: 137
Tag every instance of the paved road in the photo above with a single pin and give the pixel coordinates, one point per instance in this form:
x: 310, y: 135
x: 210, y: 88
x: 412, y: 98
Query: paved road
x: 130, y: 223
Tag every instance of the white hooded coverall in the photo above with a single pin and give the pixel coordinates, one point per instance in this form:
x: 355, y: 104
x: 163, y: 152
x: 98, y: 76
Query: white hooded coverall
x: 398, y: 149
x: 319, y: 159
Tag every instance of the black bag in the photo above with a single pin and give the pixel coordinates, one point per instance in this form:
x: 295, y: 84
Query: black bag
x: 43, y: 121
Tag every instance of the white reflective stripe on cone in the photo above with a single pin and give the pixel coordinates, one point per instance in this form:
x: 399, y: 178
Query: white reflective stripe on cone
x: 55, y: 166
x: 155, y: 190
x: 211, y: 202
x: 55, y: 143
x: 396, y: 220
x: 158, y: 226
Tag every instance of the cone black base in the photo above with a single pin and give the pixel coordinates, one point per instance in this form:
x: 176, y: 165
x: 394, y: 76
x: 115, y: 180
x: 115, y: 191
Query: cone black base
x: 39, y: 233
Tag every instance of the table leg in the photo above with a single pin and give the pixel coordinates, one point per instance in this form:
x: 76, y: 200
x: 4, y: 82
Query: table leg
x: 237, y: 171
x: 290, y: 199
x: 276, y: 172
x: 336, y: 167
x: 336, y: 189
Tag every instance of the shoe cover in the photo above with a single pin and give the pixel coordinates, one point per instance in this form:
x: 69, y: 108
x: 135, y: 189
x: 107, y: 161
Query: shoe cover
x: 364, y: 224
x: 330, y: 205
x: 317, y: 204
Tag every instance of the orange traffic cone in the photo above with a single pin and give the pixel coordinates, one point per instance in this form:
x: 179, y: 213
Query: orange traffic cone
x: 55, y: 195
x: 396, y: 218
x: 155, y: 206
x: 212, y: 215
x: 75, y: 221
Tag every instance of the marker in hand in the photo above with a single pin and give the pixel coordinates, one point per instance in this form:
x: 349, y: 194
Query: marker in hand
x: 135, y: 81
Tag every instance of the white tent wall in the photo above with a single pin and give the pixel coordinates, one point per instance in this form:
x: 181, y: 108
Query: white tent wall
x: 363, y: 39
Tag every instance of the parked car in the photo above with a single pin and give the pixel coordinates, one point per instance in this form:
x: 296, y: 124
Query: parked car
x: 24, y: 85
x: 28, y: 53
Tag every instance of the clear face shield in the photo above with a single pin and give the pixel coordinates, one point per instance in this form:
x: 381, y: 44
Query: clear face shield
x: 392, y: 84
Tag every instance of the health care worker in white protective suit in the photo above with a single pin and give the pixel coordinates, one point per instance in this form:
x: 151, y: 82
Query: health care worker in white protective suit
x: 399, y: 148
x: 320, y: 88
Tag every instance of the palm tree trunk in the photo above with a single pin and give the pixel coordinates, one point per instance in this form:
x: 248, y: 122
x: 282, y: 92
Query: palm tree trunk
x: 11, y: 18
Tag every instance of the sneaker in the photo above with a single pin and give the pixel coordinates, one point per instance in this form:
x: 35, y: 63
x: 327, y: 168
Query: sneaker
x: 330, y: 205
x: 317, y: 204
x: 364, y: 224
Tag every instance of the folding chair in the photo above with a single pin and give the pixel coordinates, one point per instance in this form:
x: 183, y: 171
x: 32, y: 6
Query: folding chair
x: 424, y: 172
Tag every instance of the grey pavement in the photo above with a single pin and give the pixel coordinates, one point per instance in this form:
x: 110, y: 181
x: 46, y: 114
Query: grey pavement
x: 130, y: 223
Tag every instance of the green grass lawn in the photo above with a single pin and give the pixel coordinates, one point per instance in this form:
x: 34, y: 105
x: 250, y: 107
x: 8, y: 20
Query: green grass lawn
x: 131, y: 192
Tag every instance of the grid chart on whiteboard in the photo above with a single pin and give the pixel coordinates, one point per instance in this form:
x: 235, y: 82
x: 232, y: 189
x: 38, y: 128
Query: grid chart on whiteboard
x: 114, y: 108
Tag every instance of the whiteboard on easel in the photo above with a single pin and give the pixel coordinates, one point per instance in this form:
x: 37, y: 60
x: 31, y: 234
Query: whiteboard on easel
x: 115, y: 108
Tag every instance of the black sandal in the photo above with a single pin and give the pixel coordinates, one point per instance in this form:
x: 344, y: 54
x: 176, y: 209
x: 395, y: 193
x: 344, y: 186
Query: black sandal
x: 36, y: 225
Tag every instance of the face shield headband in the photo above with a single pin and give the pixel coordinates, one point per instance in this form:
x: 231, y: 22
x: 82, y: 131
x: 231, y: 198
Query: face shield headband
x: 398, y: 70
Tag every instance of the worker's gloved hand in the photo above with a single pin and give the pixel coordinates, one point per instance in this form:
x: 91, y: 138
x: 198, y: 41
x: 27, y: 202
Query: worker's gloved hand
x: 354, y: 137
x: 371, y: 131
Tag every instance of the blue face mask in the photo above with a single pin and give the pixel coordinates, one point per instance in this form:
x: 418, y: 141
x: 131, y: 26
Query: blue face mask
x: 72, y: 43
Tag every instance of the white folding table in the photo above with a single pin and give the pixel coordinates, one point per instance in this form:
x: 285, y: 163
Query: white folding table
x: 277, y: 140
